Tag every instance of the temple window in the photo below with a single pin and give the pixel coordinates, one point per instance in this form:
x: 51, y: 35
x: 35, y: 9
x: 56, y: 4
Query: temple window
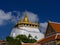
x: 24, y: 24
x: 30, y: 24
x: 36, y: 25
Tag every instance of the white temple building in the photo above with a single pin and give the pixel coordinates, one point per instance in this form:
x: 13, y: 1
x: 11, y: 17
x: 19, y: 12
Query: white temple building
x: 25, y: 27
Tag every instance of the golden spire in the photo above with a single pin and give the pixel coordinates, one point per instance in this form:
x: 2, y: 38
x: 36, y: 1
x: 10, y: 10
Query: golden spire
x: 26, y: 17
x: 25, y: 22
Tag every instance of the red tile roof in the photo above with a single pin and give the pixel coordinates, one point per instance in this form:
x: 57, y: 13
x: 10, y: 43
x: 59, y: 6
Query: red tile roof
x: 1, y: 41
x: 49, y: 39
x: 46, y: 39
x: 56, y: 26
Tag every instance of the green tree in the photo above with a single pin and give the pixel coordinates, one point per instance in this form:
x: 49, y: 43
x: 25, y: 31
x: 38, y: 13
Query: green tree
x: 22, y: 38
x: 13, y: 41
x: 19, y: 39
x: 32, y: 40
x: 25, y: 39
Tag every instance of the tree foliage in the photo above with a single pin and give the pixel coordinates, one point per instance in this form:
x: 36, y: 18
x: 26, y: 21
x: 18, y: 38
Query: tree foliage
x: 18, y: 39
x: 25, y: 39
x: 22, y: 38
x: 13, y: 41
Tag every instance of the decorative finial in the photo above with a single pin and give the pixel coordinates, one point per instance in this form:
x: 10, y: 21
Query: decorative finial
x: 25, y: 17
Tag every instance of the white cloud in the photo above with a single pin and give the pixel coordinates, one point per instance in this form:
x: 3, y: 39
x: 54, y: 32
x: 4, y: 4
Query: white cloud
x: 6, y: 17
x: 15, y: 19
x: 43, y: 27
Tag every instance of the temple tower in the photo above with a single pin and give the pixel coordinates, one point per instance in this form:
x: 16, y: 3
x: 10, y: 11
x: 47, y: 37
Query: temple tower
x: 25, y: 27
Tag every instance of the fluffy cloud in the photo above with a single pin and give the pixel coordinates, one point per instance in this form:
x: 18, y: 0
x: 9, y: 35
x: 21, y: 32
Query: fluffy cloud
x: 43, y: 27
x: 6, y: 17
x: 15, y: 16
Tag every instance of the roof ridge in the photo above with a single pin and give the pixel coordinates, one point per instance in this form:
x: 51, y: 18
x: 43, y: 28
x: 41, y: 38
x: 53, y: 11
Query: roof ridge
x: 54, y: 22
x: 55, y: 26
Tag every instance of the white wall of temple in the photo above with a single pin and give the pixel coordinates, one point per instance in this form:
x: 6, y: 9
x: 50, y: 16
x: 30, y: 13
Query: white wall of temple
x: 30, y: 29
x: 26, y: 31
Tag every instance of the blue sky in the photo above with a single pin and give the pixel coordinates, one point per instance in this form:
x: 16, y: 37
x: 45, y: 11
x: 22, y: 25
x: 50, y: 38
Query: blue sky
x: 45, y: 10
